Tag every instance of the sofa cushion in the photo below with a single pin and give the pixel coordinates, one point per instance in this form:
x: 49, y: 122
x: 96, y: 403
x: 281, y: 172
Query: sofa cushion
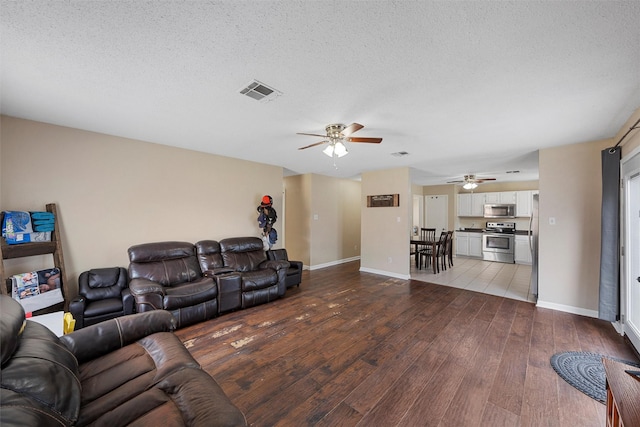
x: 11, y: 325
x: 252, y: 280
x: 243, y: 253
x: 166, y: 263
x: 102, y: 283
x: 189, y: 294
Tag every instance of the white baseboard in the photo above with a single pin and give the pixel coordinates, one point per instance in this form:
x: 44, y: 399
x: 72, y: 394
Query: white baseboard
x: 386, y: 273
x: 329, y: 264
x: 567, y: 309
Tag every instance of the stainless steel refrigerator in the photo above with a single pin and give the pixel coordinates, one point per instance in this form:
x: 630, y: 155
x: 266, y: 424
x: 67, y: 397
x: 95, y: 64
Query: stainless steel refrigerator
x: 533, y: 244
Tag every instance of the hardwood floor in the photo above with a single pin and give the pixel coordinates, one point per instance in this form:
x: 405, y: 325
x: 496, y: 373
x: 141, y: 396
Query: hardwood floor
x: 358, y: 349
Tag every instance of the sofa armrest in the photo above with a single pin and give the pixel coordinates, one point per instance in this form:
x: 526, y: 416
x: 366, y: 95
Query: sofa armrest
x: 104, y: 337
x: 76, y: 308
x: 128, y: 301
x: 277, y: 265
x: 141, y: 286
x: 218, y: 271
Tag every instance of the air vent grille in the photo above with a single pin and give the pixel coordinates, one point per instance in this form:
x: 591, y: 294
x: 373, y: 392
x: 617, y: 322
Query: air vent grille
x: 260, y: 91
x: 400, y: 154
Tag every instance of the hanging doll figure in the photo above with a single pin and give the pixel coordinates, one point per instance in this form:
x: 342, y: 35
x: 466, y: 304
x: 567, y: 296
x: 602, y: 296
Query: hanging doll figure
x: 266, y: 218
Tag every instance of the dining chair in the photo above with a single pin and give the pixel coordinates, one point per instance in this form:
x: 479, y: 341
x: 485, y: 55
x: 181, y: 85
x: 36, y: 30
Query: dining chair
x: 424, y: 251
x: 449, y: 250
x: 441, y: 251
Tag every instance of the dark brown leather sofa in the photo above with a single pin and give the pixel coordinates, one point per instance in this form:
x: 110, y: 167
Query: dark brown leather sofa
x: 261, y: 280
x: 167, y: 276
x: 126, y: 371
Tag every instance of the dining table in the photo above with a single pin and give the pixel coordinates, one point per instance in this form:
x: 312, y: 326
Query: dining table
x: 434, y: 252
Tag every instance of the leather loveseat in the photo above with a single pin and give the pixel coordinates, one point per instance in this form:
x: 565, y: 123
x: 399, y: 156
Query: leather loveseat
x: 128, y: 370
x: 167, y: 276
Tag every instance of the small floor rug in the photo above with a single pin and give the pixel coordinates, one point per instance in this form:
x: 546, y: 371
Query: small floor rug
x: 585, y: 372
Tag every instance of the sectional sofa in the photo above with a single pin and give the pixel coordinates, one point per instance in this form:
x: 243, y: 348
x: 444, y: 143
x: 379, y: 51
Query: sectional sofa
x: 131, y: 370
x: 196, y: 282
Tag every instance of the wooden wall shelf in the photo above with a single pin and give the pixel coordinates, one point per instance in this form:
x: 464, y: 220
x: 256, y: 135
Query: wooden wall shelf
x: 54, y: 247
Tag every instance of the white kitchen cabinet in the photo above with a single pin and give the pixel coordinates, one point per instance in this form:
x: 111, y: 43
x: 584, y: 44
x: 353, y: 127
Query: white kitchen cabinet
x: 477, y: 204
x: 508, y: 197
x: 492, y: 198
x: 468, y: 244
x: 462, y: 243
x: 475, y: 244
x: 464, y: 204
x: 522, y: 250
x: 523, y: 203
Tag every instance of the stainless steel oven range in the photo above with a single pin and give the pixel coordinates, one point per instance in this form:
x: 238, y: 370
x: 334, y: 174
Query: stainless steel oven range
x: 498, y: 242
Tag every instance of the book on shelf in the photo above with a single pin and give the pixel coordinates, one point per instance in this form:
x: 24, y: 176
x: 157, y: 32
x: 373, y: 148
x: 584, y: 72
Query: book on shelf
x: 36, y: 290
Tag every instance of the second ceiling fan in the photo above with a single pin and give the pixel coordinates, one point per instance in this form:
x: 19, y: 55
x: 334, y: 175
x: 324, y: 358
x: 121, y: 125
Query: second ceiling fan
x: 337, y: 134
x: 470, y: 181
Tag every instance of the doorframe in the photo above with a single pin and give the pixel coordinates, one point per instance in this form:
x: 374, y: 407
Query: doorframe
x: 625, y: 268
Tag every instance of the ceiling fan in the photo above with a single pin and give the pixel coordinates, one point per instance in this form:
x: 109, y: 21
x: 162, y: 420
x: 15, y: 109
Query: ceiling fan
x: 470, y: 181
x: 337, y: 135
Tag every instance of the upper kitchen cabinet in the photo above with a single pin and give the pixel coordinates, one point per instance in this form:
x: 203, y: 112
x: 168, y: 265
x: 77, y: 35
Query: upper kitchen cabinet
x: 471, y: 204
x: 500, y: 197
x: 464, y: 204
x: 477, y: 203
x: 508, y: 197
x: 523, y: 203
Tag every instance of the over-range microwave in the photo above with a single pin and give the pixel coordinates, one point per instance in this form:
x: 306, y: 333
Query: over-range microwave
x: 499, y: 211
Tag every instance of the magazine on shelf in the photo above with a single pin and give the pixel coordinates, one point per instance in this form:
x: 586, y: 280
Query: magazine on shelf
x: 36, y: 290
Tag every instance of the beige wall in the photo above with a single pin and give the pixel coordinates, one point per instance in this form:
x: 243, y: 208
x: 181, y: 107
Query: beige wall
x: 298, y: 196
x: 323, y: 219
x: 114, y: 192
x: 571, y: 193
x: 386, y: 230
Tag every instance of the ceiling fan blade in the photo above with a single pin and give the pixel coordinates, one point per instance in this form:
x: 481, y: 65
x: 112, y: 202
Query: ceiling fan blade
x: 485, y: 179
x: 455, y: 182
x: 369, y: 140
x: 353, y: 127
x: 312, y: 145
x: 311, y: 134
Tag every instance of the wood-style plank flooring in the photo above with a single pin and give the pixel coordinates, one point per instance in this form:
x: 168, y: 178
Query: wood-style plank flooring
x: 358, y: 349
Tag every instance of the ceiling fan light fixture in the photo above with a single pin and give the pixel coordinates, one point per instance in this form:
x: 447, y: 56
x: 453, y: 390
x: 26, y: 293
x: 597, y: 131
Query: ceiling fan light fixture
x: 469, y: 185
x: 336, y: 148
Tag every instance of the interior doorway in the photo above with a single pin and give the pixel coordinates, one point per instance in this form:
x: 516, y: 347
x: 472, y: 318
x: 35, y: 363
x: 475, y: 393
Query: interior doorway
x: 630, y: 283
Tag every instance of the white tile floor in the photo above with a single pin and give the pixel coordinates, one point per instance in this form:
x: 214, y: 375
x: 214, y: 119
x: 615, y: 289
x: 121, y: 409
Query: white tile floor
x: 495, y: 278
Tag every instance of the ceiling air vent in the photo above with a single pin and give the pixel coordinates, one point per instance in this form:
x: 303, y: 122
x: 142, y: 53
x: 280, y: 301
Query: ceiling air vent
x: 260, y: 91
x: 400, y: 154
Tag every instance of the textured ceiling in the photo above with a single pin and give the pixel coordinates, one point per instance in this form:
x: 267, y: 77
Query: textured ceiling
x: 463, y: 87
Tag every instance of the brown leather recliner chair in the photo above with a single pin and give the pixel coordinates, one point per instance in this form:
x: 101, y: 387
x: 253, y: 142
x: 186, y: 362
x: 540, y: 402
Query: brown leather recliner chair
x: 263, y: 280
x: 166, y: 275
x: 294, y: 272
x: 103, y: 293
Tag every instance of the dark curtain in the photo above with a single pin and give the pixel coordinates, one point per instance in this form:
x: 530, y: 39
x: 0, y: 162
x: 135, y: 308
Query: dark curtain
x: 609, y: 306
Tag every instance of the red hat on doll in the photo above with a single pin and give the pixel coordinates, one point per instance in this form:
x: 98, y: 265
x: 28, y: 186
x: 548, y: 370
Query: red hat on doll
x: 266, y: 201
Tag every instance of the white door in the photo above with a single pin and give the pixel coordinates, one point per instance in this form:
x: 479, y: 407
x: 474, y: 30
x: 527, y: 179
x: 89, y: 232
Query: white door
x: 630, y: 301
x: 418, y: 213
x: 437, y: 213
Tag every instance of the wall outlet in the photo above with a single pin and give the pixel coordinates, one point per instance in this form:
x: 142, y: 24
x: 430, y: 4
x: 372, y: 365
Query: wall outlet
x: 389, y: 260
x: 552, y: 220
x: 355, y: 247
